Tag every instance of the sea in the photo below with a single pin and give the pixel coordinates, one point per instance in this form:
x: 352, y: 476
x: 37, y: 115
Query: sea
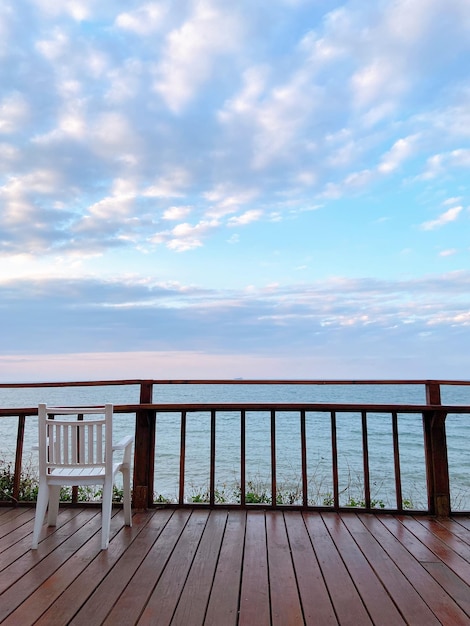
x: 258, y: 438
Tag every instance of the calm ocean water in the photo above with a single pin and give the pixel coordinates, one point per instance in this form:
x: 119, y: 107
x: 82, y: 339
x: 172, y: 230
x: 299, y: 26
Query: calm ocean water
x: 288, y: 458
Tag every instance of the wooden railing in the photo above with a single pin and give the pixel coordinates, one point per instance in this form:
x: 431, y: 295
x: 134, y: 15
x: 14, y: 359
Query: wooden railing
x: 433, y: 414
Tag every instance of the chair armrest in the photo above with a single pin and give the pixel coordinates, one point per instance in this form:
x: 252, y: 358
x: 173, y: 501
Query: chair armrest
x: 125, y: 445
x: 125, y: 441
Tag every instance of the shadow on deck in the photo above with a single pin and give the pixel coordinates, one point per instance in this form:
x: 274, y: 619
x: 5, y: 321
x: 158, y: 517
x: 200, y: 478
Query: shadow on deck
x: 220, y: 567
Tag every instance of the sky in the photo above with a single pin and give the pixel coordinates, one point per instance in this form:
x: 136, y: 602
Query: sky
x: 203, y: 188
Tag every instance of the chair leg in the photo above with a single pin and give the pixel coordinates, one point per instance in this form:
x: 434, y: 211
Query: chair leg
x: 126, y: 482
x: 53, y: 510
x: 41, y: 506
x: 106, y: 513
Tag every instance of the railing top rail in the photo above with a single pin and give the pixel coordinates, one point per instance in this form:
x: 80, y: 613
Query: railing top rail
x: 293, y: 406
x: 234, y: 381
x: 266, y: 406
x: 82, y: 383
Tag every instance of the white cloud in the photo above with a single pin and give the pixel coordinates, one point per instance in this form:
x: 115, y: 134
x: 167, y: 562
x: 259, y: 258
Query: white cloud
x: 272, y: 116
x: 124, y: 81
x: 177, y: 212
x: 378, y: 80
x: 445, y: 218
x: 170, y: 185
x: 28, y: 222
x: 144, y: 21
x: 8, y: 153
x: 246, y: 218
x: 71, y: 125
x: 79, y: 10
x: 248, y: 99
x: 6, y: 13
x: 401, y: 150
x: 192, y: 51
x: 455, y: 200
x: 113, y: 134
x: 55, y: 47
x: 117, y: 205
x: 441, y: 164
x: 224, y: 199
x: 14, y: 112
x: 186, y: 237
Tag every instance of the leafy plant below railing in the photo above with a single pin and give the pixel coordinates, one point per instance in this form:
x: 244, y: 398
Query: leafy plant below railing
x: 29, y: 484
x: 257, y: 491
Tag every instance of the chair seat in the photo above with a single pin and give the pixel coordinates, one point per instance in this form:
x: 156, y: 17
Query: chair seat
x: 64, y: 475
x: 77, y: 472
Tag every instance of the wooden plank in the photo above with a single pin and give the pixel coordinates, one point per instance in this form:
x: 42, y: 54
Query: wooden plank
x: 223, y: 601
x: 9, y: 515
x: 435, y: 598
x: 166, y: 593
x: 254, y: 596
x: 15, y: 529
x: 123, y: 551
x: 347, y: 603
x: 131, y: 581
x: 18, y: 559
x: 286, y: 608
x: 194, y: 597
x: 463, y: 521
x: 316, y: 603
x: 442, y: 551
x: 375, y: 596
x: 35, y: 570
x: 18, y: 542
x: 460, y: 545
x: 385, y: 554
x: 416, y: 547
x: 40, y: 600
x: 452, y: 583
x: 457, y: 528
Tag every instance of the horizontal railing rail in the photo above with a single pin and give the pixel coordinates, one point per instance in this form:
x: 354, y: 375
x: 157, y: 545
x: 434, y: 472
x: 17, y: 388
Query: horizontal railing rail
x: 146, y: 411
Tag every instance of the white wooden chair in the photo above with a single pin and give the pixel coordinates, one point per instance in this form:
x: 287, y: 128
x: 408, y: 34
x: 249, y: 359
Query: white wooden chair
x: 77, y: 449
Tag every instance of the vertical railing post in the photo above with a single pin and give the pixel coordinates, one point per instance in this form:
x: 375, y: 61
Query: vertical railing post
x: 273, y: 461
x: 435, y: 445
x: 365, y: 460
x: 144, y: 453
x: 212, y: 460
x: 303, y: 452
x: 18, y: 459
x: 243, y: 458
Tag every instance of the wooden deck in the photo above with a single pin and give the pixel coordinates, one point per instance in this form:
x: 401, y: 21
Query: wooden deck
x: 223, y: 567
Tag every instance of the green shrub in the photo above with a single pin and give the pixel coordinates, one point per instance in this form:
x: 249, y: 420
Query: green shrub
x: 29, y: 484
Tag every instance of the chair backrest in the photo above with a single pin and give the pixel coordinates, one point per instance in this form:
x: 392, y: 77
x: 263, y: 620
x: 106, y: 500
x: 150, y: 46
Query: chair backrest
x: 75, y: 437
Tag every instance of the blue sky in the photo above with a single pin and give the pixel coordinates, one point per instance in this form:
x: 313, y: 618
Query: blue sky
x: 257, y: 189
